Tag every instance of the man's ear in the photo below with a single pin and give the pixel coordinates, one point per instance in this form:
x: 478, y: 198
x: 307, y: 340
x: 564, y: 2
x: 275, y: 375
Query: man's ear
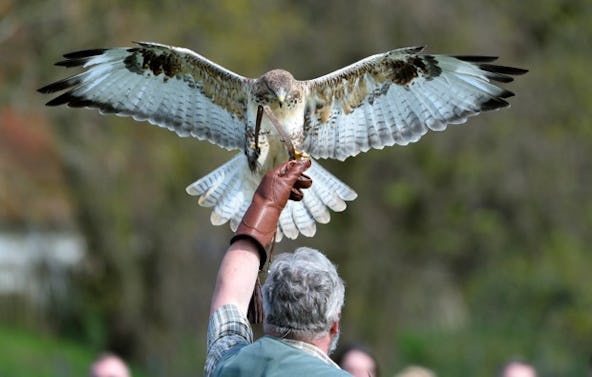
x: 334, y: 328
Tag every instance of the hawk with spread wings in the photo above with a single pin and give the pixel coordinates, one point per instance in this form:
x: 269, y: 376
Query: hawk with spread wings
x: 385, y: 99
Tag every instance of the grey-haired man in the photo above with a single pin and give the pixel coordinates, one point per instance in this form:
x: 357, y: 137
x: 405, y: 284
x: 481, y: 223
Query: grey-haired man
x: 302, y: 296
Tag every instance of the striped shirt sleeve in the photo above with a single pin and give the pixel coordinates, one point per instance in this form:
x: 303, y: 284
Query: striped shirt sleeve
x: 227, y: 328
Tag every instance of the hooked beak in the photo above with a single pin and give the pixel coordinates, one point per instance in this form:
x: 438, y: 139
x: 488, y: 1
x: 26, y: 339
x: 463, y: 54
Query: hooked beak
x: 281, y: 97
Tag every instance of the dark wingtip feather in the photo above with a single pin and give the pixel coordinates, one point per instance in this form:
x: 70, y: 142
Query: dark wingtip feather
x: 72, y: 62
x: 60, y: 100
x: 501, y: 73
x: 85, y: 53
x: 475, y: 58
x: 74, y: 101
x: 77, y: 102
x: 80, y: 102
x: 506, y: 94
x: 499, y: 77
x: 502, y: 69
x: 78, y: 58
x: 60, y: 85
x: 494, y: 103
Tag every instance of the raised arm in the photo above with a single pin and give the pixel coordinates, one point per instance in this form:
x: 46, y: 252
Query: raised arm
x: 247, y: 253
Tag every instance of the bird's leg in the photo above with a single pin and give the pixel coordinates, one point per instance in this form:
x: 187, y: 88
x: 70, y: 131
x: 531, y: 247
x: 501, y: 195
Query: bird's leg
x: 258, y: 129
x: 254, y: 156
x: 293, y: 155
x: 255, y: 312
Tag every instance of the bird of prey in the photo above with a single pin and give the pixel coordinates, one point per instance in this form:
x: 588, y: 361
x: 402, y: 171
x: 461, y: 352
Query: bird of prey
x: 385, y: 99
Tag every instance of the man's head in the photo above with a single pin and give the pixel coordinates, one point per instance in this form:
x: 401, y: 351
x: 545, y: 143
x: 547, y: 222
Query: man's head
x: 518, y: 369
x: 302, y: 296
x: 109, y: 365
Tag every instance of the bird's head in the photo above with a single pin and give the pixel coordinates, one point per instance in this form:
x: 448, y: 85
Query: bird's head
x: 277, y: 88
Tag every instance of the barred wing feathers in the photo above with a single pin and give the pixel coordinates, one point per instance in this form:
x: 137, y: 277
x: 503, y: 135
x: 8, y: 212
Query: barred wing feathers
x: 396, y: 97
x: 168, y: 86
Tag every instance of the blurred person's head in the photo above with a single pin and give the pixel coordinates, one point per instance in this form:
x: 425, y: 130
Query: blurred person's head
x: 518, y: 369
x: 109, y: 365
x: 302, y: 297
x: 415, y: 371
x: 357, y: 360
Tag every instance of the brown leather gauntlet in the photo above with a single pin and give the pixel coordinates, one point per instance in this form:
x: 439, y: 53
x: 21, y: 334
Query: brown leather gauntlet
x: 260, y: 221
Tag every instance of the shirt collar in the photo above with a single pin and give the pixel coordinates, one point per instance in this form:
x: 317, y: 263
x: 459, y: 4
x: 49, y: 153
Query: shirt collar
x: 310, y: 349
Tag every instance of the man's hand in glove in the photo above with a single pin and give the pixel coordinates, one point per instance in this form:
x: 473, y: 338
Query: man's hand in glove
x: 259, y: 223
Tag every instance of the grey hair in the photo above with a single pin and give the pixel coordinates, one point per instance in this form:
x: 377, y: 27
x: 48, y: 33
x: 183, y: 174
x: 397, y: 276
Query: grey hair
x: 302, y: 296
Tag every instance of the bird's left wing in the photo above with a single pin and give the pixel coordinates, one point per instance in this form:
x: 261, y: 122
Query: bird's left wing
x: 168, y: 86
x: 395, y: 98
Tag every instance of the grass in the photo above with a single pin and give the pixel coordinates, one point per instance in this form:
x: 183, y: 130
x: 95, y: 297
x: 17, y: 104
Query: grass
x: 28, y: 354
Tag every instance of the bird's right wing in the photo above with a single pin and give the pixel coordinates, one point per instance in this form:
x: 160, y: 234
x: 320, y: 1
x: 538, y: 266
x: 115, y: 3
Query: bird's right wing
x: 396, y: 97
x: 167, y: 86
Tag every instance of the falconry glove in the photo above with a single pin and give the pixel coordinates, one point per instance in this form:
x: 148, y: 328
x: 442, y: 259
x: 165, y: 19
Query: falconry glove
x: 260, y: 222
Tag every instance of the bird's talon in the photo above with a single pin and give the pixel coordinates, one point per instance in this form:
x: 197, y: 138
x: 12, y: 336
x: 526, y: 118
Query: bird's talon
x: 300, y: 155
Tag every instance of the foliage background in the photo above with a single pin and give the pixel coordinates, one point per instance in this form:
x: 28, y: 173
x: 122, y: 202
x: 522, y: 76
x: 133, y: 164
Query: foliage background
x: 462, y: 251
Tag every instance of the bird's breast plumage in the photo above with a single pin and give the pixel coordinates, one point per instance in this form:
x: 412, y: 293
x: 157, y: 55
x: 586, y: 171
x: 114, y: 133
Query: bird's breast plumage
x: 272, y: 147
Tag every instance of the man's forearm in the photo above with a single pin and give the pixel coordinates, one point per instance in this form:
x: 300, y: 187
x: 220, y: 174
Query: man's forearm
x: 236, y: 276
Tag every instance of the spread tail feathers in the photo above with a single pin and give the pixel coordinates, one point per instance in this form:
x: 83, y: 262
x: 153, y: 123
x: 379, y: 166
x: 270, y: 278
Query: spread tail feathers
x: 230, y: 187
